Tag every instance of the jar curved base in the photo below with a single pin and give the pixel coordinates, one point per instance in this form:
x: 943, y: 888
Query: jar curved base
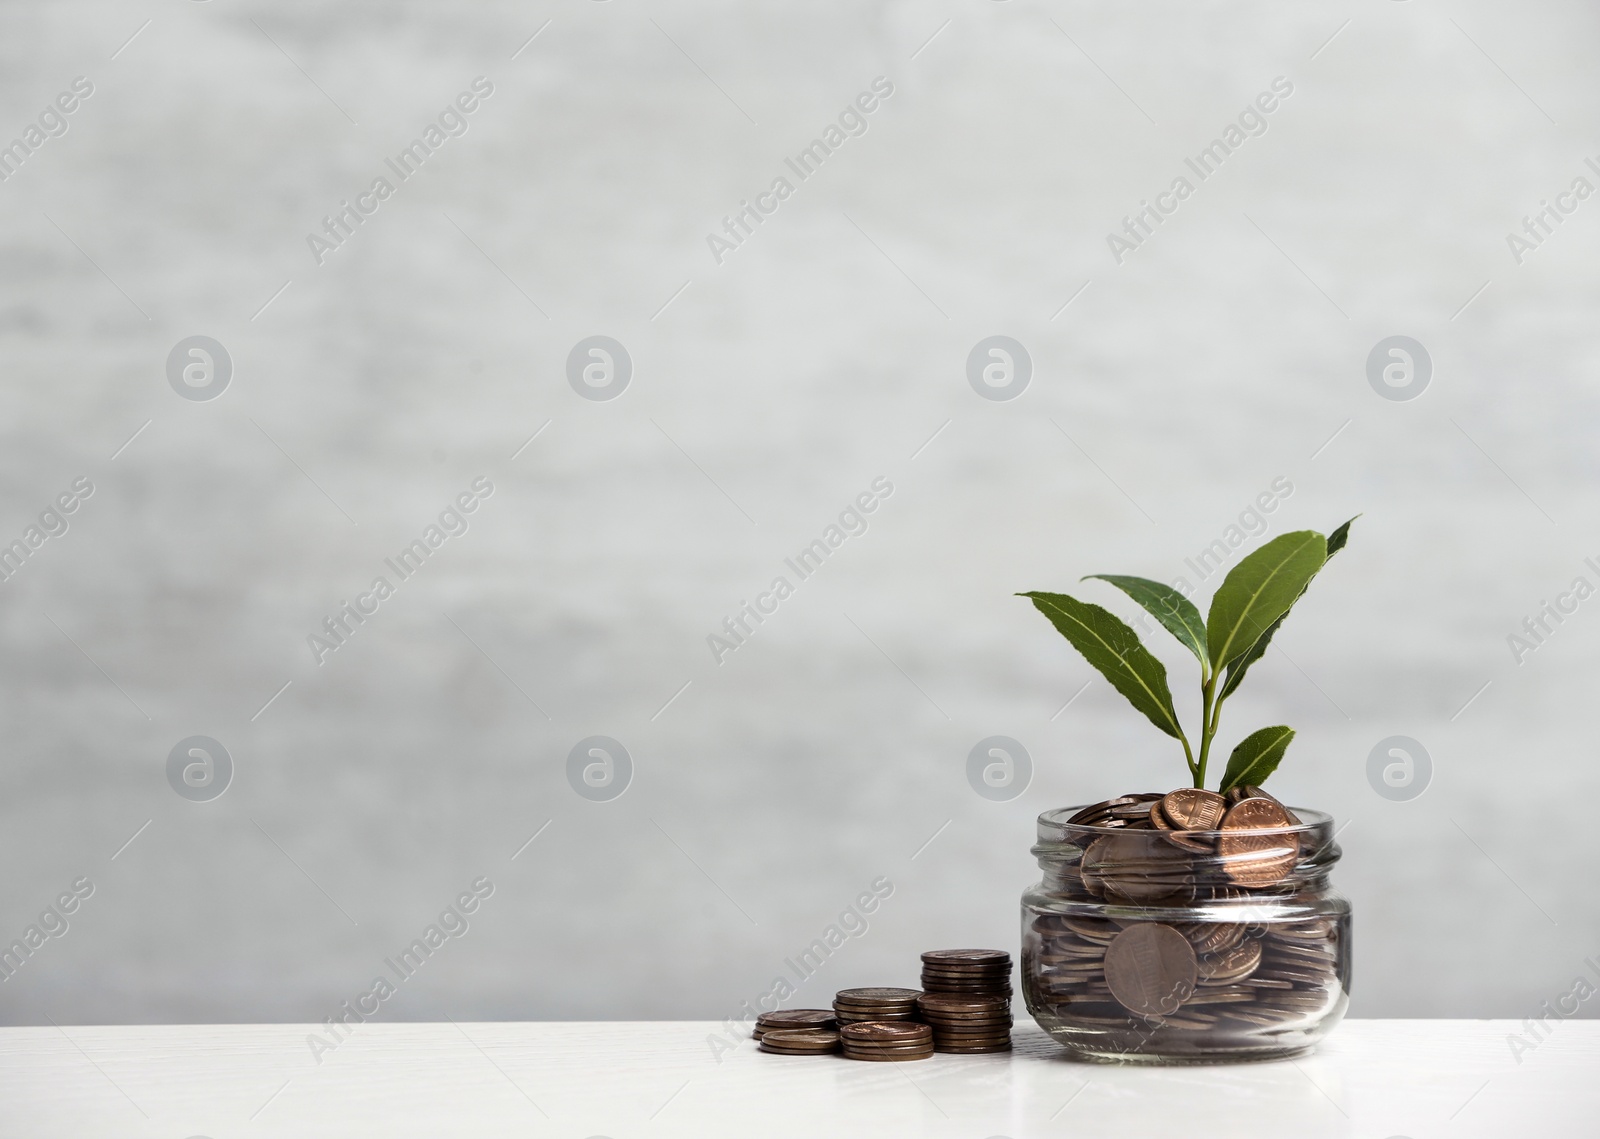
x: 1099, y: 1044
x: 1092, y: 1056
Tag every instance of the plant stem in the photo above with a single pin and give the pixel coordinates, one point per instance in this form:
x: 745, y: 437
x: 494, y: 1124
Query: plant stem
x: 1188, y: 755
x: 1208, y: 726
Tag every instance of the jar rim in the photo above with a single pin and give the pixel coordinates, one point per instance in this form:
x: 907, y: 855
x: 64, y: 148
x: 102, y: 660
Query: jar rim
x: 1056, y: 821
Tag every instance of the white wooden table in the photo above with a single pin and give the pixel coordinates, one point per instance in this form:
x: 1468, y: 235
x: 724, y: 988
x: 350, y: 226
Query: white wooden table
x: 1372, y: 1079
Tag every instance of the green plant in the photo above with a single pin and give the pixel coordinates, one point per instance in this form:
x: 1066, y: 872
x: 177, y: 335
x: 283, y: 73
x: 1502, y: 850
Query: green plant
x: 1246, y: 610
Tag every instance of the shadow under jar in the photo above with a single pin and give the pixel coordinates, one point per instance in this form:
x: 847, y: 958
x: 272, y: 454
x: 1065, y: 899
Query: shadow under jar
x: 1185, y: 947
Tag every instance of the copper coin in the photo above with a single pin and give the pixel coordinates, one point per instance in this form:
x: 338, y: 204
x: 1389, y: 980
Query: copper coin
x: 795, y: 1018
x: 1303, y: 976
x: 797, y: 1051
x: 802, y: 1042
x: 1320, y: 929
x: 1158, y: 820
x: 1093, y: 811
x: 1150, y: 969
x: 888, y: 1049
x: 1251, y: 854
x: 1243, y: 792
x: 1006, y: 1047
x: 1094, y: 855
x: 876, y: 996
x: 966, y: 957
x: 1194, y: 809
x: 1230, y: 964
x: 1220, y: 995
x: 1097, y: 929
x: 802, y: 1038
x: 1141, y: 870
x: 1306, y: 946
x: 884, y: 1032
x: 942, y: 1003
x: 1178, y: 838
x: 1214, y: 937
x: 891, y: 1056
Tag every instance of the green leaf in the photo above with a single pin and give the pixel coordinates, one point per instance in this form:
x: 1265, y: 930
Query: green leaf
x: 1256, y: 757
x: 1337, y: 539
x: 1112, y: 647
x: 1165, y: 604
x: 1238, y: 668
x: 1259, y: 591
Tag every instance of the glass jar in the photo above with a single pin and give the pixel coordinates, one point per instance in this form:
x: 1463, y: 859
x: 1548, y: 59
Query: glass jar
x: 1174, y: 947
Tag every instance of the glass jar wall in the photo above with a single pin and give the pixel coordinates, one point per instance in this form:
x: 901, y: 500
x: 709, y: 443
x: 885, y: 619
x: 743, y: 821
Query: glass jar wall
x: 1161, y: 946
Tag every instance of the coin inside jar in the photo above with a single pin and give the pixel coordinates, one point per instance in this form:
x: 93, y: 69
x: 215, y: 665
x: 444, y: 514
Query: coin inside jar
x: 1250, y: 853
x: 1142, y: 868
x: 1193, y: 809
x: 1214, y: 937
x: 1151, y: 969
x: 1229, y: 965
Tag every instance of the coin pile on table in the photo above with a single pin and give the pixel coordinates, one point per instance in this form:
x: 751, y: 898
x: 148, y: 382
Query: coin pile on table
x: 854, y: 1006
x: 964, y: 1006
x: 800, y: 1042
x: 794, y: 1018
x: 967, y: 1024
x: 886, y: 1040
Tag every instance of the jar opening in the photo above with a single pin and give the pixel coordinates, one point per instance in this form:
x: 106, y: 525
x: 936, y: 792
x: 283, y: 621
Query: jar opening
x: 1146, y: 866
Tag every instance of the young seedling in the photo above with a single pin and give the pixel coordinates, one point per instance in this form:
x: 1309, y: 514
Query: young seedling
x: 1246, y: 611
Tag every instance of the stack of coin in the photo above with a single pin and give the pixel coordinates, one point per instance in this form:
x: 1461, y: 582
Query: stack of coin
x: 886, y: 1040
x: 967, y: 1024
x: 794, y: 1018
x: 967, y: 972
x: 800, y: 1042
x: 853, y: 1006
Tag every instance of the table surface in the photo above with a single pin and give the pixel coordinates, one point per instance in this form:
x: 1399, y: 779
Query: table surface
x: 1373, y: 1078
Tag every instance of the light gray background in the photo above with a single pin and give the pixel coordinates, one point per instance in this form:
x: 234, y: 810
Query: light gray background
x: 771, y: 390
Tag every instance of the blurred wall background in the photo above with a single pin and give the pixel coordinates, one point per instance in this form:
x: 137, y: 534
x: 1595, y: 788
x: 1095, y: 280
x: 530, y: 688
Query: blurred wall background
x: 372, y: 383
